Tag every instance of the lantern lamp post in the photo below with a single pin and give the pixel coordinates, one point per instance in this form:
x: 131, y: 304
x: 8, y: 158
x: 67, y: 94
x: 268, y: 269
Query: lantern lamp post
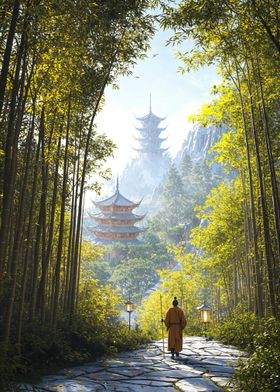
x: 205, y: 311
x: 129, y: 309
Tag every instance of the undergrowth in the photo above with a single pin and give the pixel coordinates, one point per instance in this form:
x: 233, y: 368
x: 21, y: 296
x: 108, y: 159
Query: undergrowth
x: 260, y: 372
x: 94, y: 330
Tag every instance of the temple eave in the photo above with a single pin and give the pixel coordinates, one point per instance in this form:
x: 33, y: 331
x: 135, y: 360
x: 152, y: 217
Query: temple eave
x: 150, y: 116
x: 111, y: 237
x: 150, y: 140
x: 103, y: 242
x: 158, y: 151
x: 150, y: 130
x: 116, y: 230
x: 116, y: 222
x: 117, y: 216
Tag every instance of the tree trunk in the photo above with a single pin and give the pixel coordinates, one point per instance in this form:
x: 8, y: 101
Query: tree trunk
x: 26, y: 261
x: 258, y: 276
x: 61, y: 224
x: 50, y: 237
x: 9, y: 163
x: 79, y: 218
x: 266, y: 234
x: 7, y: 54
x: 34, y: 287
x: 273, y: 38
x: 9, y: 186
x: 274, y: 187
x: 71, y: 235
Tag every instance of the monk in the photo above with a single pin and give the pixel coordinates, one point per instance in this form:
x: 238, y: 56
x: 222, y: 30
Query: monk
x: 175, y: 322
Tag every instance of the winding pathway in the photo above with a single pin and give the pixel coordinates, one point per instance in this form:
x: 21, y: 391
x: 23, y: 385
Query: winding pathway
x: 204, y: 366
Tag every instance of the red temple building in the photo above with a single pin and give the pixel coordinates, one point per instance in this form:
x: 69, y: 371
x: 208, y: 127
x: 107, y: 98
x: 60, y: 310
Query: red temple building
x: 115, y: 221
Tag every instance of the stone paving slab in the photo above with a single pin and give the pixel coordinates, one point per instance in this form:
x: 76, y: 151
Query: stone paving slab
x: 203, y: 366
x: 197, y: 384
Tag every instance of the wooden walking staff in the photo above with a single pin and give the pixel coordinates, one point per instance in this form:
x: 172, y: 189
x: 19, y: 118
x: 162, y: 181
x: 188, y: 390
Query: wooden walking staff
x: 162, y: 334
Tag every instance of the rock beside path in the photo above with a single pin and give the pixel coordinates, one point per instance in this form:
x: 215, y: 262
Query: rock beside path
x: 203, y: 366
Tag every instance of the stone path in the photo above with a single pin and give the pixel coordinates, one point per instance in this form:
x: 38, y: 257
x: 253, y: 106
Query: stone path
x: 204, y: 366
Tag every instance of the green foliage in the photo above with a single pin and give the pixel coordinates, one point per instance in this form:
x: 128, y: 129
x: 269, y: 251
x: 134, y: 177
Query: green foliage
x: 95, y: 329
x: 176, y: 234
x: 151, y: 248
x: 94, y: 264
x: 125, y: 339
x: 129, y: 268
x: 42, y: 344
x: 186, y: 166
x: 134, y: 277
x: 238, y: 329
x: 9, y: 367
x: 183, y: 283
x: 261, y: 372
x: 194, y: 327
x: 153, y: 309
x: 183, y: 189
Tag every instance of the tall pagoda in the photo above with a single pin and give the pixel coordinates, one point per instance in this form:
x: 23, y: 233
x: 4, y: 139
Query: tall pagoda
x: 150, y: 140
x: 115, y: 221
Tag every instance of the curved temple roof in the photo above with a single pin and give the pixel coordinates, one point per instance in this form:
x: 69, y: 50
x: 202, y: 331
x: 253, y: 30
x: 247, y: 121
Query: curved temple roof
x: 110, y: 242
x: 116, y: 229
x: 149, y: 129
x: 117, y: 199
x: 128, y: 216
x: 158, y: 140
x: 150, y: 116
x: 149, y: 151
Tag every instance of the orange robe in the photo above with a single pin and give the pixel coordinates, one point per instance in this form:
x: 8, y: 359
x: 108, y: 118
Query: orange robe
x: 175, y: 322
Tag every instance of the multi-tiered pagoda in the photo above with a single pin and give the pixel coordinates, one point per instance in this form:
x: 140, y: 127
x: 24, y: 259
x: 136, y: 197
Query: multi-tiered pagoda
x: 150, y: 131
x: 115, y: 221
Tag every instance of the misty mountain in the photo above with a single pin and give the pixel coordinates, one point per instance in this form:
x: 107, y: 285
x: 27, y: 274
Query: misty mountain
x: 198, y: 143
x: 144, y: 176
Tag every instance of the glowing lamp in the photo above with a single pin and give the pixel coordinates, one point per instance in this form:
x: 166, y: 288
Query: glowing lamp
x: 205, y: 313
x: 129, y: 306
x: 129, y: 309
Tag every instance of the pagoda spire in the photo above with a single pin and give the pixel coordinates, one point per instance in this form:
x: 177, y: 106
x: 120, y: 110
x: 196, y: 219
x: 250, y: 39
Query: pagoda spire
x: 117, y: 185
x: 150, y: 140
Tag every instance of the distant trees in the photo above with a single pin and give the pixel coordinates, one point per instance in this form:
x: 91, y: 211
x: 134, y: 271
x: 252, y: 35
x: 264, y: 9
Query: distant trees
x: 224, y: 253
x: 172, y: 197
x: 184, y: 283
x: 185, y: 187
x: 131, y: 269
x: 56, y: 60
x: 134, y: 277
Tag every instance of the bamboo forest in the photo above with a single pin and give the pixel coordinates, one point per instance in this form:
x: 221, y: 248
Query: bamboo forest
x: 139, y: 176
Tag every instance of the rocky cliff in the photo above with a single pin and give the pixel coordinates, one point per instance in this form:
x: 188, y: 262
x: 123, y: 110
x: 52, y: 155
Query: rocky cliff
x: 199, y: 141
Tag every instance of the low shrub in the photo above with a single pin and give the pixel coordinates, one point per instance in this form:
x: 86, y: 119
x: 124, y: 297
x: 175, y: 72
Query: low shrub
x: 194, y: 328
x: 43, y: 345
x: 261, y: 372
x: 125, y: 339
x: 239, y: 329
x: 261, y: 339
x: 95, y: 329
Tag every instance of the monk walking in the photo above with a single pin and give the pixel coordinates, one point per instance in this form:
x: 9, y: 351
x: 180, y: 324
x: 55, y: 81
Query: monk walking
x: 175, y: 322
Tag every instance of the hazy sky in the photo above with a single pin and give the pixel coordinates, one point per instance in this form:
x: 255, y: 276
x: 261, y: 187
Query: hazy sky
x: 174, y: 95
